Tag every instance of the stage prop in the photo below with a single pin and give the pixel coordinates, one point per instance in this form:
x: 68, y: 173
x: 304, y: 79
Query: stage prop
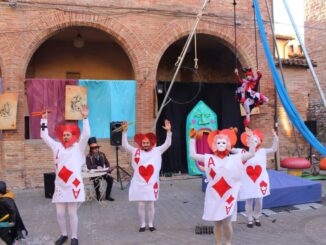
x: 203, y: 119
x: 8, y: 111
x: 76, y: 96
x: 286, y: 190
x: 295, y: 165
x: 254, y: 111
x: 218, y: 96
x: 322, y: 164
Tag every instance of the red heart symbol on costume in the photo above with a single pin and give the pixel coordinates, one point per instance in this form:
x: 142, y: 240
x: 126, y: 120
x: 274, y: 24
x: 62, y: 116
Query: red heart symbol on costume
x: 263, y: 187
x: 137, y: 160
x: 254, y: 173
x: 146, y: 172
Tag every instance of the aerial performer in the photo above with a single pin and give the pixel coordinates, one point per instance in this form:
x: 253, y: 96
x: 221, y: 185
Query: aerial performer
x: 247, y: 94
x: 146, y: 162
x: 69, y: 157
x: 255, y: 181
x: 224, y: 174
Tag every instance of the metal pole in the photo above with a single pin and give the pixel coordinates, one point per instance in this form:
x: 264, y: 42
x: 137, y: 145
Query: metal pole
x: 311, y: 68
x: 191, y: 35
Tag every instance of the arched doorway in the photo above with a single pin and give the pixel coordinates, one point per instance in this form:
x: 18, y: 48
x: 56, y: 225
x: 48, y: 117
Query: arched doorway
x: 80, y: 52
x: 213, y: 82
x: 76, y: 54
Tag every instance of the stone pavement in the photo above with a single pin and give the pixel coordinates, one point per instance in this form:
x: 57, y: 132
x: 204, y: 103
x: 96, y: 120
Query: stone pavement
x: 178, y: 212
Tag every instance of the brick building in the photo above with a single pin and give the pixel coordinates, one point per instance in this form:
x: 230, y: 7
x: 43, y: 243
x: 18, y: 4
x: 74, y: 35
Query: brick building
x: 137, y: 40
x: 315, y: 21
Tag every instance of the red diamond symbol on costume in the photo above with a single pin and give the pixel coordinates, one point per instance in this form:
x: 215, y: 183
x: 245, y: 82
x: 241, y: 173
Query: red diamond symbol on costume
x: 230, y: 199
x: 212, y: 173
x: 65, y: 174
x: 76, y: 182
x: 221, y: 187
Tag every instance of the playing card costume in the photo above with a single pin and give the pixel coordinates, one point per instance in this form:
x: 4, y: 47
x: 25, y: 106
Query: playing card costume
x: 247, y: 93
x: 144, y: 184
x: 69, y: 159
x: 223, y: 173
x: 255, y: 180
x: 146, y: 162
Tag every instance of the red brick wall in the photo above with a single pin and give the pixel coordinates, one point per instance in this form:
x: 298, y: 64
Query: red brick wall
x: 296, y: 79
x: 315, y: 13
x: 144, y: 34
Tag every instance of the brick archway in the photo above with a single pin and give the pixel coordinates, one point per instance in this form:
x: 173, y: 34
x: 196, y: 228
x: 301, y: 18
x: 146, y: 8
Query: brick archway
x: 178, y: 29
x: 125, y: 37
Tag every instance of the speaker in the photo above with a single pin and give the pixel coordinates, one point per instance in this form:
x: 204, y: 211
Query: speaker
x: 115, y: 137
x: 49, y: 179
x: 312, y: 125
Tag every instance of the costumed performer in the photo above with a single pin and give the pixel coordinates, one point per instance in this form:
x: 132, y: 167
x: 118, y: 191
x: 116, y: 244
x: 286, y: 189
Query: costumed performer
x: 146, y: 162
x: 255, y: 180
x: 224, y: 173
x: 246, y: 93
x: 69, y: 158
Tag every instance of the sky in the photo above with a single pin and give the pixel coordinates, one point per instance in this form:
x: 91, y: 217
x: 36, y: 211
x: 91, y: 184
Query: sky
x: 282, y: 22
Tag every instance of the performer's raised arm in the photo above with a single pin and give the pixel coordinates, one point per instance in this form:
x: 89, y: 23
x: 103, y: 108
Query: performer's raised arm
x: 86, y: 129
x: 125, y: 143
x: 168, y: 140
x: 45, y: 133
x: 192, y: 148
x: 251, y: 153
x: 274, y: 147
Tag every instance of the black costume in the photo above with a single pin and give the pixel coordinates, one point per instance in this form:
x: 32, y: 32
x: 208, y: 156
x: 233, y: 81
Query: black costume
x: 9, y: 213
x: 99, y: 160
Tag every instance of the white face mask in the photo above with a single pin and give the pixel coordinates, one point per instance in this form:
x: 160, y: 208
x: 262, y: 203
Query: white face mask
x: 221, y: 144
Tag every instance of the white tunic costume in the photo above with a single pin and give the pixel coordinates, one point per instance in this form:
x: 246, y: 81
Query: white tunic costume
x: 69, y: 185
x: 224, y: 181
x: 255, y: 180
x: 144, y: 184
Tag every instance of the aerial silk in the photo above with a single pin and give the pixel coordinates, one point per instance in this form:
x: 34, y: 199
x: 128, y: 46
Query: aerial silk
x: 284, y: 97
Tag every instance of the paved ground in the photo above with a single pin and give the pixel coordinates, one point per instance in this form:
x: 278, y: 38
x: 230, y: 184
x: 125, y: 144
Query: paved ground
x: 178, y: 211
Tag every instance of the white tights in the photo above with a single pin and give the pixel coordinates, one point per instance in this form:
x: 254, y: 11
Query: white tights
x: 227, y: 230
x: 253, y: 212
x: 73, y: 218
x: 150, y: 213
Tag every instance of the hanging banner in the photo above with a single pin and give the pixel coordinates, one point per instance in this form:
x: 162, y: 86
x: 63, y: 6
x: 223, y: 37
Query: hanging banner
x: 76, y: 96
x: 109, y: 101
x: 8, y: 111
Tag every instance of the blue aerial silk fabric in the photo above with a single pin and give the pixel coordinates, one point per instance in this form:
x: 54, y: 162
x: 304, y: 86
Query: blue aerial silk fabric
x: 284, y: 97
x: 108, y: 101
